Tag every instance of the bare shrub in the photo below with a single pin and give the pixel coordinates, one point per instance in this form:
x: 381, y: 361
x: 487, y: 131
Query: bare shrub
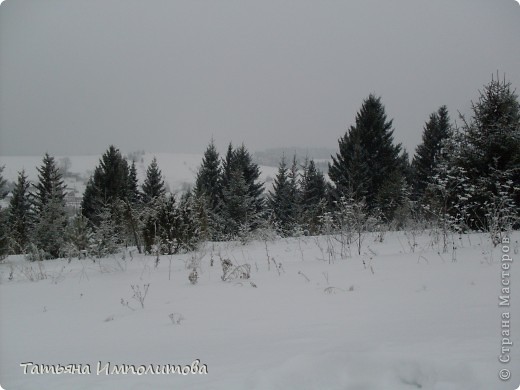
x: 140, y: 295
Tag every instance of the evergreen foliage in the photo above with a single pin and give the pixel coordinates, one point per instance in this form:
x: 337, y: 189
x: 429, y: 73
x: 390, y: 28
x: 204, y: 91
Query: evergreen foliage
x: 4, y: 241
x: 282, y: 199
x: 20, y: 216
x: 242, y: 200
x: 134, y: 196
x: 251, y: 172
x: 208, y: 193
x: 188, y: 234
x: 490, y: 153
x: 169, y: 227
x: 207, y: 183
x: 109, y: 183
x: 238, y: 209
x: 106, y: 238
x: 50, y: 184
x: 313, y: 196
x: 153, y: 186
x: 368, y: 164
x: 50, y: 214
x: 436, y: 130
x: 49, y: 229
x: 80, y: 236
x: 3, y: 184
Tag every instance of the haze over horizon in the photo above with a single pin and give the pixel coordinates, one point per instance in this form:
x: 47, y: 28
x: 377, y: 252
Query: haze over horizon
x: 167, y: 76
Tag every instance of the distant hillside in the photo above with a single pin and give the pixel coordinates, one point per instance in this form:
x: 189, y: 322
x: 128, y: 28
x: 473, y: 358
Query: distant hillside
x: 272, y: 157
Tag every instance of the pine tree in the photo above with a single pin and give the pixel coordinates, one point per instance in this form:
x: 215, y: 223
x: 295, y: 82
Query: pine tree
x: 3, y: 184
x: 208, y: 192
x: 436, y: 130
x: 20, y: 216
x: 188, y: 234
x: 312, y: 196
x: 450, y: 194
x: 294, y: 192
x: 106, y: 237
x: 134, y: 195
x: 282, y: 199
x: 162, y: 225
x: 207, y: 183
x: 4, y: 242
x: 170, y: 227
x: 50, y: 214
x: 491, y: 148
x: 50, y: 184
x: 251, y: 173
x: 239, y: 178
x: 153, y: 186
x: 227, y: 167
x: 109, y: 183
x: 80, y: 235
x: 367, y: 160
x: 49, y: 229
x: 238, y: 208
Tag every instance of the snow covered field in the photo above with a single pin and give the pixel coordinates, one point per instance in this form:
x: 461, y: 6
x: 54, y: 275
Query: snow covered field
x: 391, y: 318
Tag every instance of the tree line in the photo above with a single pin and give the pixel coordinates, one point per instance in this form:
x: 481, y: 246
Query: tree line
x: 462, y: 178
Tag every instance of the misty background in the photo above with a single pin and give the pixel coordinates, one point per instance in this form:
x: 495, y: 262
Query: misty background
x: 166, y: 76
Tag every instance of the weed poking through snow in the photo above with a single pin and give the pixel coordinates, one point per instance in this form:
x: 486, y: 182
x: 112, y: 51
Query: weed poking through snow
x: 176, y: 318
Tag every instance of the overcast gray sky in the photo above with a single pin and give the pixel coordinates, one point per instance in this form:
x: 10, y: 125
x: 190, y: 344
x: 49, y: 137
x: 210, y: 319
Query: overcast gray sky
x: 167, y: 75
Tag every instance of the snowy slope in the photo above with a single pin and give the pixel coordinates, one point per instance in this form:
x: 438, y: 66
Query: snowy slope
x: 388, y: 319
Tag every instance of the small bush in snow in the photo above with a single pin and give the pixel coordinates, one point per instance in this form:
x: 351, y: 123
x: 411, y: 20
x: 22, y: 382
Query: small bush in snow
x: 226, y: 266
x: 176, y: 318
x: 34, y: 253
x: 193, y: 276
x: 239, y: 272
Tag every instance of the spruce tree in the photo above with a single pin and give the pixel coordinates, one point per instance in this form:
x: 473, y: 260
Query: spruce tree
x: 239, y: 178
x: 160, y: 224
x: 368, y: 159
x: 251, y: 173
x: 208, y: 192
x: 134, y: 195
x: 207, y: 182
x: 227, y: 167
x: 188, y: 234
x: 109, y: 183
x: 4, y: 243
x: 238, y: 208
x: 3, y: 184
x: 282, y: 199
x: 170, y: 226
x: 50, y: 184
x: 491, y: 149
x: 49, y: 229
x: 50, y: 214
x: 153, y: 186
x: 106, y: 238
x: 20, y: 216
x: 80, y: 235
x: 312, y: 196
x: 436, y: 130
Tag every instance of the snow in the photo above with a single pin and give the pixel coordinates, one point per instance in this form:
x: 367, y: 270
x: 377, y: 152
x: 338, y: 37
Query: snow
x: 403, y: 320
